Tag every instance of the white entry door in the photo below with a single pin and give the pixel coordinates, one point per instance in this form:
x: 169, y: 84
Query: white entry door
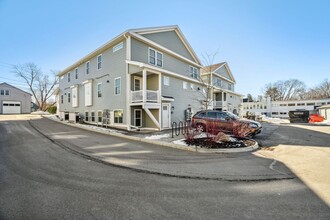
x: 165, y: 115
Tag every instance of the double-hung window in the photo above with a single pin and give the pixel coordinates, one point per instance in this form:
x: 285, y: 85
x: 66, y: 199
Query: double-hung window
x: 230, y: 86
x: 118, y: 116
x: 62, y: 98
x: 4, y: 92
x: 69, y: 97
x: 217, y: 82
x: 99, y: 90
x: 69, y: 76
x: 87, y: 67
x: 117, y: 86
x: 76, y: 73
x: 193, y: 72
x: 155, y: 58
x: 99, y: 61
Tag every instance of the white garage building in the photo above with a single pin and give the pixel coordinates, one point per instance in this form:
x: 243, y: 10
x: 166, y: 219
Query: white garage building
x: 14, y: 100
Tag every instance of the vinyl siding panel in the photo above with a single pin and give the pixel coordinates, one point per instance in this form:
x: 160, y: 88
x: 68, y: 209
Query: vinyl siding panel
x: 113, y: 66
x: 140, y: 53
x: 182, y: 98
x: 223, y: 72
x: 171, y: 41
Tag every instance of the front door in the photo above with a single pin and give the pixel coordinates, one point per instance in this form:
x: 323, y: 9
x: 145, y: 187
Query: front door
x: 138, y: 117
x: 137, y: 83
x: 165, y: 115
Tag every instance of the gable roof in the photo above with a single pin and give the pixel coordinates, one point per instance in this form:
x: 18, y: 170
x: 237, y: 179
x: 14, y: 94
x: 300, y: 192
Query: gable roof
x: 213, y: 68
x: 151, y: 30
x: 4, y: 83
x: 137, y: 34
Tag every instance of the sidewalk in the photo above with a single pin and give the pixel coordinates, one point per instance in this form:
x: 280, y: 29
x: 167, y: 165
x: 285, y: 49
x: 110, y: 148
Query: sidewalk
x: 150, y: 158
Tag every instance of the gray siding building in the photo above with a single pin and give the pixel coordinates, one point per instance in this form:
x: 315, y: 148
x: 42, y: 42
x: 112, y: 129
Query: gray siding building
x: 14, y: 100
x: 143, y: 79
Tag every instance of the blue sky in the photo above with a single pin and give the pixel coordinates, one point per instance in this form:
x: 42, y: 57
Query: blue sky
x: 262, y: 40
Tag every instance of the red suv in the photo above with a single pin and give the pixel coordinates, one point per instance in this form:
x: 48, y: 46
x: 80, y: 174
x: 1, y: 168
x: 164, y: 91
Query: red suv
x: 215, y: 121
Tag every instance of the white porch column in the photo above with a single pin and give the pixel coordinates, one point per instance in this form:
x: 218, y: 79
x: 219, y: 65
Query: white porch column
x: 144, y: 85
x: 159, y: 87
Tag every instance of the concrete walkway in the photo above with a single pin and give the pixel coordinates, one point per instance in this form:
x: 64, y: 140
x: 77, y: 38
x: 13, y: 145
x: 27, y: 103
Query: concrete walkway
x: 151, y: 158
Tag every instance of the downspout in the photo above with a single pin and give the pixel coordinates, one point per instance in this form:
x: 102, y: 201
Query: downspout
x: 128, y: 82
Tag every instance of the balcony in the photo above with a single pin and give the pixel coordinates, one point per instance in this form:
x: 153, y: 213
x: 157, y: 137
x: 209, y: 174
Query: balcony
x: 141, y: 97
x: 219, y: 104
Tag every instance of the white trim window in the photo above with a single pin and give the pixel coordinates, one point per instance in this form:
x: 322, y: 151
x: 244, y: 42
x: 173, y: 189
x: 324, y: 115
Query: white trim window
x: 76, y: 73
x: 99, y: 90
x: 86, y: 116
x: 155, y: 58
x: 92, y: 116
x: 217, y: 82
x: 99, y: 116
x: 185, y: 85
x: 4, y: 92
x: 117, y: 86
x: 230, y: 86
x: 99, y: 62
x: 118, y: 47
x: 88, y: 94
x: 74, y: 92
x: 166, y: 81
x: 69, y: 97
x: 69, y: 77
x: 193, y: 72
x: 118, y: 116
x: 87, y: 67
x: 62, y: 99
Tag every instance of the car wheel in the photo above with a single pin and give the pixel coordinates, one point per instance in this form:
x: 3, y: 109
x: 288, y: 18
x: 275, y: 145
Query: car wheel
x: 200, y: 128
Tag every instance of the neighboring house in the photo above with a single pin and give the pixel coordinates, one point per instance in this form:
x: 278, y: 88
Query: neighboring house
x: 280, y: 109
x: 324, y: 111
x: 224, y: 97
x: 144, y: 78
x: 14, y: 100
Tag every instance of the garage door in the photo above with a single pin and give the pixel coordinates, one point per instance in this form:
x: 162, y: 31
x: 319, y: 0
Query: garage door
x: 11, y: 107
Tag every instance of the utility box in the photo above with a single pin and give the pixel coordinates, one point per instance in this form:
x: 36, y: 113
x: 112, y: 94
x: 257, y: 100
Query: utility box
x: 299, y: 116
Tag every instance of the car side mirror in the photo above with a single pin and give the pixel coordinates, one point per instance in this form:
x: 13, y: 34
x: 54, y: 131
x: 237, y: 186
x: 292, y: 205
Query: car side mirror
x: 227, y: 118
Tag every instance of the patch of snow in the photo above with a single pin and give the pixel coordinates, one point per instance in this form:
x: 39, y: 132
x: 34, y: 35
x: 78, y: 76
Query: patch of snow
x: 180, y: 142
x: 53, y: 117
x: 99, y: 128
x: 274, y: 120
x: 40, y: 113
x: 157, y: 137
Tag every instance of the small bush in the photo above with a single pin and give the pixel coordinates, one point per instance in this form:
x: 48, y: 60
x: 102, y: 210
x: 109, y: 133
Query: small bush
x: 52, y: 109
x: 241, y: 130
x: 189, y: 132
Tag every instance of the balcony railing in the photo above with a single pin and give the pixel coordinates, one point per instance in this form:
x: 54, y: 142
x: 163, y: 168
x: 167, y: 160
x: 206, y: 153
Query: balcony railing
x: 150, y: 96
x: 219, y: 103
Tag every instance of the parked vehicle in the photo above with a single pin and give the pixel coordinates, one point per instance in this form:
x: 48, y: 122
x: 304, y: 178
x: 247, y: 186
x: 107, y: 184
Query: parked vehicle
x: 215, y: 121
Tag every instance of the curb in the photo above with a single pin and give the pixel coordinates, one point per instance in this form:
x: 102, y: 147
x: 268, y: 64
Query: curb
x: 166, y: 144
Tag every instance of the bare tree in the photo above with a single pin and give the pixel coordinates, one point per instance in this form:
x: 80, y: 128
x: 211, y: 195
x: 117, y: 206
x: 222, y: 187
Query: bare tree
x: 42, y: 86
x: 292, y: 89
x: 272, y: 92
x: 250, y: 98
x: 322, y: 91
x: 205, y: 79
